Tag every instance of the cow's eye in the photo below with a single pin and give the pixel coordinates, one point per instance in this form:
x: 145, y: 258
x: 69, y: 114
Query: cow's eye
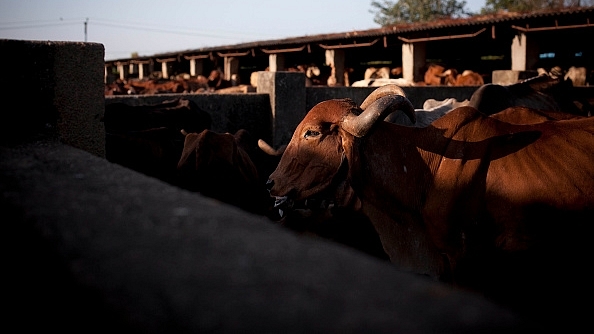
x: 311, y: 133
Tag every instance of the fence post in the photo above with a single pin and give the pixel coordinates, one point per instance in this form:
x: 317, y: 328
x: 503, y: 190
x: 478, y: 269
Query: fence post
x: 58, y: 88
x: 287, y: 101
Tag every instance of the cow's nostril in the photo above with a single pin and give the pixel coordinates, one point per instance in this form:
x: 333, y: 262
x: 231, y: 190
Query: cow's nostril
x: 269, y: 184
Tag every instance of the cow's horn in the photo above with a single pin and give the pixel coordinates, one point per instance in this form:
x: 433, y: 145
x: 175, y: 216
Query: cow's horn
x: 358, y: 126
x: 382, y: 91
x: 264, y: 146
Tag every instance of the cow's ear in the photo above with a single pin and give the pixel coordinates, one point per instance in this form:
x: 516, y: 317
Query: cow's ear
x: 346, y: 141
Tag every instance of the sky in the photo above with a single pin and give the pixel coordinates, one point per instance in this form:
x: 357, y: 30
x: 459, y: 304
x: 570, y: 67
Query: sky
x: 152, y: 27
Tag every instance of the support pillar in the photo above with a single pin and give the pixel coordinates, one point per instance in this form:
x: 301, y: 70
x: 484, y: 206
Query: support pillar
x: 165, y: 67
x: 140, y: 71
x: 122, y: 70
x: 276, y: 62
x: 287, y: 101
x: 230, y: 67
x: 524, y: 53
x: 165, y: 70
x: 335, y: 59
x: 65, y: 98
x: 196, y: 67
x: 131, y: 68
x: 413, y: 60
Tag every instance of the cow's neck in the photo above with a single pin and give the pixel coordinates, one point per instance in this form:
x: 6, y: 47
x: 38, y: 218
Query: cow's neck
x: 388, y: 165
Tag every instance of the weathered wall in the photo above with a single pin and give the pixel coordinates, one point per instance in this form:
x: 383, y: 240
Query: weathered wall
x: 229, y: 112
x: 281, y: 102
x: 54, y: 87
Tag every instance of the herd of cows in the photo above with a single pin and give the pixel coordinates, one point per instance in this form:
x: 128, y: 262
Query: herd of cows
x: 436, y: 75
x: 494, y: 194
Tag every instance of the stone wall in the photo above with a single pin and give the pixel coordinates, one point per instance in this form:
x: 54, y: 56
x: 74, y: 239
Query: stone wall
x: 54, y: 87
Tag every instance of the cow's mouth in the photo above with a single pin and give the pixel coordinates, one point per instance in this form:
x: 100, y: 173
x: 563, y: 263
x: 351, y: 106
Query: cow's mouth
x: 282, y: 203
x: 325, y: 199
x: 285, y: 204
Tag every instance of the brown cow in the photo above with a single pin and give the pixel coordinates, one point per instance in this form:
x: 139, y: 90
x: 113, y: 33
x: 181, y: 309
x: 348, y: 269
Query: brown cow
x: 152, y: 86
x: 502, y: 208
x: 469, y: 78
x: 216, y: 81
x: 116, y: 87
x: 227, y: 167
x: 543, y: 92
x: 523, y: 115
x: 437, y: 75
x: 147, y: 137
x: 434, y: 75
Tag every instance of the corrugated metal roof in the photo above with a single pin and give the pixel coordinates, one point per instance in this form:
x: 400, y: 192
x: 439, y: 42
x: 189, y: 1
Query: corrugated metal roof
x: 396, y: 29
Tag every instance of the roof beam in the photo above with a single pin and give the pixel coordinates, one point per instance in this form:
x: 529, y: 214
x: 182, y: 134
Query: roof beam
x: 267, y: 51
x: 233, y: 54
x: 427, y: 39
x: 556, y: 27
x: 344, y: 46
x: 197, y: 57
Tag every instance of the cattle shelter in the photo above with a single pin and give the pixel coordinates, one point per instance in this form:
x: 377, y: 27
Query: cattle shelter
x: 504, y: 41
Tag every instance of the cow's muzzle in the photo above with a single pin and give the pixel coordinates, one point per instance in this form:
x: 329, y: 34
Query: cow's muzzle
x: 287, y: 203
x: 282, y: 203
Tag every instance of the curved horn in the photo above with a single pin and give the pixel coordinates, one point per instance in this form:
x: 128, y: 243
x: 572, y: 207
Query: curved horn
x: 358, y: 126
x: 264, y: 146
x: 382, y: 91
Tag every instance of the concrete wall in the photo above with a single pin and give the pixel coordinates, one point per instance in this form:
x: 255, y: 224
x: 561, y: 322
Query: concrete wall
x: 509, y: 77
x: 54, y: 87
x: 281, y: 101
x: 229, y: 112
x: 287, y: 100
x: 93, y: 247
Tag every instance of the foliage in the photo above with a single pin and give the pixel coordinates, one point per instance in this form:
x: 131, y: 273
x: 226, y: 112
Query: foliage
x: 409, y: 11
x: 406, y: 11
x: 492, y: 6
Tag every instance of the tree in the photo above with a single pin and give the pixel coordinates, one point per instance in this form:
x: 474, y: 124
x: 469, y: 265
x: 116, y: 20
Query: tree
x: 408, y: 11
x: 492, y: 6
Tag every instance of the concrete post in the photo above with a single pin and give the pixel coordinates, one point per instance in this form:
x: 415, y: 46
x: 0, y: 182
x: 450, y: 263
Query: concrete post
x: 335, y: 59
x: 196, y: 66
x: 193, y: 67
x: 518, y: 52
x: 276, y: 62
x: 413, y: 60
x: 524, y: 53
x: 287, y: 100
x: 140, y: 70
x: 64, y: 96
x: 122, y: 71
x: 164, y: 70
x: 230, y: 67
